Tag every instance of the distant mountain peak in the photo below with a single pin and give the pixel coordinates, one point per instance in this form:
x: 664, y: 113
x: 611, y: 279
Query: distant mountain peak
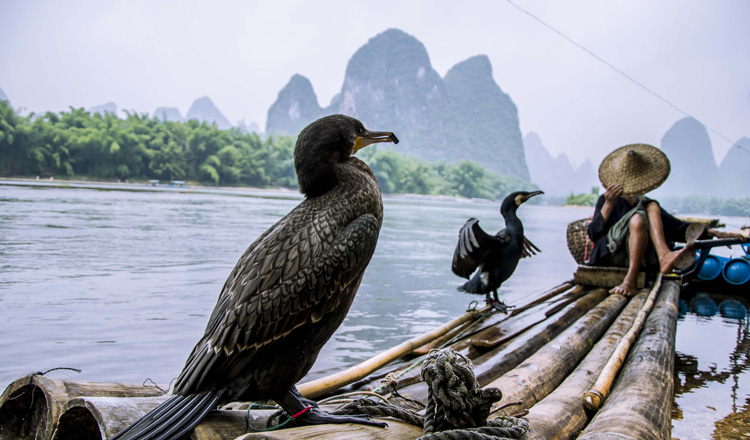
x: 168, y: 114
x: 390, y: 54
x: 694, y: 170
x: 479, y: 65
x: 204, y: 109
x: 109, y: 107
x: 390, y: 84
x: 556, y: 176
x: 296, y: 106
x: 3, y: 96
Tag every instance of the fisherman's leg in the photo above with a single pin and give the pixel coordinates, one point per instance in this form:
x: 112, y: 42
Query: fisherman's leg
x: 667, y: 256
x: 293, y: 406
x: 637, y: 242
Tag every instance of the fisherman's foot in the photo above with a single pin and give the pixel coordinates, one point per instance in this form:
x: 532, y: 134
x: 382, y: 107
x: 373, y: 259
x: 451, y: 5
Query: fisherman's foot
x: 672, y: 259
x: 625, y: 288
x: 317, y: 417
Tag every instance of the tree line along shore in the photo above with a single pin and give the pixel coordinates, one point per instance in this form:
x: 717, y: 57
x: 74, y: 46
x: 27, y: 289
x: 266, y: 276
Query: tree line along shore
x: 79, y: 144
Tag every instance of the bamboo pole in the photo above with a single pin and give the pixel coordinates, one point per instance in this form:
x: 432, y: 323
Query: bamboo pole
x: 507, y: 356
x: 542, y: 372
x: 319, y: 387
x: 561, y: 415
x: 595, y: 396
x: 31, y: 406
x: 504, y: 358
x: 640, y: 404
x: 95, y: 418
x: 396, y: 430
x: 496, y: 319
x: 496, y: 335
x: 497, y: 329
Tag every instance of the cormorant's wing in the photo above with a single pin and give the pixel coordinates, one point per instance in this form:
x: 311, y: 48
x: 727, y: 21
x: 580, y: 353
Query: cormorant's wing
x: 293, y: 274
x: 473, y: 246
x: 529, y: 248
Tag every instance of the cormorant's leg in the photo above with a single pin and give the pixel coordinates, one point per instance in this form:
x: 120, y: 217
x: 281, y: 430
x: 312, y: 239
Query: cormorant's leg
x: 305, y: 401
x: 293, y: 406
x: 495, y: 302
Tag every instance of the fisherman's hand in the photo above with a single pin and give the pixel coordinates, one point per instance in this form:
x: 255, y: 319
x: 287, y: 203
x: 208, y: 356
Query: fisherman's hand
x: 612, y: 193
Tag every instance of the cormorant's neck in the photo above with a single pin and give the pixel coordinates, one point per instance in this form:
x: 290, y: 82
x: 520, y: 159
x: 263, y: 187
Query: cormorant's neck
x: 317, y: 177
x: 512, y: 221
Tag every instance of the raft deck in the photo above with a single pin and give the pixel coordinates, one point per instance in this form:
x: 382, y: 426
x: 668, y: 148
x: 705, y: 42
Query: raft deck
x: 546, y: 353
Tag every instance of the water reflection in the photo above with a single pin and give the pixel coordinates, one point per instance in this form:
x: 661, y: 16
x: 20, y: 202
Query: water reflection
x: 712, y: 384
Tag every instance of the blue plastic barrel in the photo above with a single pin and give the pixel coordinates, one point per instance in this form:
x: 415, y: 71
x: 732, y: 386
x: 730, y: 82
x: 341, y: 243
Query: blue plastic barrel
x: 737, y: 271
x: 712, y: 267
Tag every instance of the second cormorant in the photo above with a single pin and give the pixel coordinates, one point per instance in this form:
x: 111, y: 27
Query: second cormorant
x: 495, y: 256
x: 289, y: 291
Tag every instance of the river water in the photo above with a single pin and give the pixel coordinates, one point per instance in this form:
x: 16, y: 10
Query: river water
x: 120, y: 284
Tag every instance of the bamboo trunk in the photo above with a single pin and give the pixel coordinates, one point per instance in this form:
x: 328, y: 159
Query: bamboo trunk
x: 641, y: 401
x: 396, y: 430
x: 504, y: 358
x: 516, y: 323
x: 31, y: 406
x: 228, y: 425
x: 541, y: 373
x: 495, y: 318
x: 333, y: 382
x: 507, y: 356
x: 594, y: 397
x: 561, y: 415
x: 495, y: 330
x: 94, y: 418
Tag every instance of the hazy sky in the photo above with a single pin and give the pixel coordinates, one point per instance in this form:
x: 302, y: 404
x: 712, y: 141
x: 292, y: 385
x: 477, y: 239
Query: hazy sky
x: 142, y: 54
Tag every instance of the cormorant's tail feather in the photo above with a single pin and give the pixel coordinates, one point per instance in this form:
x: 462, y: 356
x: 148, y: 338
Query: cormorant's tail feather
x: 172, y: 419
x: 474, y: 285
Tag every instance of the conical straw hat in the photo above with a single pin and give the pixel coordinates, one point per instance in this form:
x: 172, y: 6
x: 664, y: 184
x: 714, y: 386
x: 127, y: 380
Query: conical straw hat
x: 639, y: 168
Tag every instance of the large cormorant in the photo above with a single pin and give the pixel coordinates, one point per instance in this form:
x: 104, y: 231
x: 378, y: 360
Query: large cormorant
x: 289, y: 291
x: 497, y: 255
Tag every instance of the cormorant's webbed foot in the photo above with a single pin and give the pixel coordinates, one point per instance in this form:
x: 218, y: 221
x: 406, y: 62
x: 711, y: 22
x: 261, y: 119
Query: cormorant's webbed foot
x: 496, y: 304
x: 318, y: 417
x: 306, y: 412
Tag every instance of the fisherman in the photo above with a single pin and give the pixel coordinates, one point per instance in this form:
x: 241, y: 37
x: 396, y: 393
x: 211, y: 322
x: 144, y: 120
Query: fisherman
x: 631, y: 230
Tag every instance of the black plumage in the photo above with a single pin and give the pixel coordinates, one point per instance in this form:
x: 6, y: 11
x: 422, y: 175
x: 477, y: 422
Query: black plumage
x: 289, y: 291
x: 495, y: 256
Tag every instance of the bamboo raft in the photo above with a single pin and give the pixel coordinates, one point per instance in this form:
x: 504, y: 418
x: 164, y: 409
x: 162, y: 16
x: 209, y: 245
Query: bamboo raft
x: 580, y: 363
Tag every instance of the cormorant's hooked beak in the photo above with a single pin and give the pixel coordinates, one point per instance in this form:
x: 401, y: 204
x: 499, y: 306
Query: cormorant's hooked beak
x: 372, y: 137
x: 522, y: 198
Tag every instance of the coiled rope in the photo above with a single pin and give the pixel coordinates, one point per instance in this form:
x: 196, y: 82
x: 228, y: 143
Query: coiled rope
x: 457, y: 409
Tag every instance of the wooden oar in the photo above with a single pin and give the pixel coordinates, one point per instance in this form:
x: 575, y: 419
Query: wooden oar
x: 594, y: 397
x: 319, y: 387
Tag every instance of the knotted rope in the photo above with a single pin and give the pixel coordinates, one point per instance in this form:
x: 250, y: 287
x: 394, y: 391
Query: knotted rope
x: 457, y: 409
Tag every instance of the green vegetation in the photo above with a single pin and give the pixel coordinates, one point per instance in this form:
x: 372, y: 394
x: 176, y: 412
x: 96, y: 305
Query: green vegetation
x: 583, y: 199
x: 77, y: 143
x: 106, y: 147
